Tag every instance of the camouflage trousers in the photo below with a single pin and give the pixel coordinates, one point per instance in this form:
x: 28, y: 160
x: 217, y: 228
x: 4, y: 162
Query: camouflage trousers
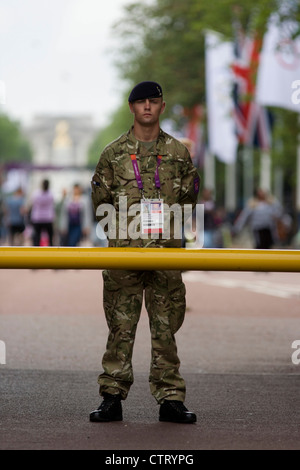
x: 165, y: 303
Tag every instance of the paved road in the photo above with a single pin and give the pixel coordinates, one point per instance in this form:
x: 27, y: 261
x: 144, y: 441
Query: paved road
x: 235, y: 349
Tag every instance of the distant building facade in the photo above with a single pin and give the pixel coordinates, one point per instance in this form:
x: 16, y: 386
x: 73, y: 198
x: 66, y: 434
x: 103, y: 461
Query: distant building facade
x: 60, y: 150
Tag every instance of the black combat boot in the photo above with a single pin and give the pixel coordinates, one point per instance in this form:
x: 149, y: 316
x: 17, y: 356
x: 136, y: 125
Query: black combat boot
x: 175, y: 412
x: 109, y: 410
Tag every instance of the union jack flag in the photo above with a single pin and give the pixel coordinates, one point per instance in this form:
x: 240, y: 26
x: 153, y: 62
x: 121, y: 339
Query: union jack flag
x: 253, y: 122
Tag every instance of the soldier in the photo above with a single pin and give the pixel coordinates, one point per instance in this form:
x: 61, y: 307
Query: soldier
x: 150, y: 168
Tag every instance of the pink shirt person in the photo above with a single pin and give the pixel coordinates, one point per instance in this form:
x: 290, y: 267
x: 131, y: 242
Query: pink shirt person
x: 43, y: 214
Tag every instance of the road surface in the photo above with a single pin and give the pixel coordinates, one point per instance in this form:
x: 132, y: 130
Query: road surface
x: 235, y: 345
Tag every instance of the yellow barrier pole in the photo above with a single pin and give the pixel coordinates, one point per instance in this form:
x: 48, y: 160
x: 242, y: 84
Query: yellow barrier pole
x: 149, y: 259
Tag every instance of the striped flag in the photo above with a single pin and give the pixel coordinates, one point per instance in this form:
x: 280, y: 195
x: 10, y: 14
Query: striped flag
x: 251, y: 119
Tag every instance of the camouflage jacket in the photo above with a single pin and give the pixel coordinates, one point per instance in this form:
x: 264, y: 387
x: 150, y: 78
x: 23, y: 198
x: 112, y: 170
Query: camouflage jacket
x: 115, y: 177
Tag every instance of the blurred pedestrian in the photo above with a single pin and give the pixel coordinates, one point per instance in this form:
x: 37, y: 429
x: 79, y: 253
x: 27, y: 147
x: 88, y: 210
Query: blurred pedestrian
x: 261, y: 214
x: 59, y: 208
x: 2, y: 221
x: 190, y: 145
x: 15, y: 210
x: 76, y: 217
x: 42, y: 214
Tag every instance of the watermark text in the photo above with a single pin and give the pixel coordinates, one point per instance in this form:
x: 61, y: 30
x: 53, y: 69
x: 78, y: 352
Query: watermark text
x: 177, y: 222
x: 296, y: 354
x: 2, y: 352
x: 296, y: 94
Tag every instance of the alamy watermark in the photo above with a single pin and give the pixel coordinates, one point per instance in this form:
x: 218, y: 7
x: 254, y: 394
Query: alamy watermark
x: 296, y: 354
x: 296, y: 94
x: 125, y: 222
x: 2, y: 352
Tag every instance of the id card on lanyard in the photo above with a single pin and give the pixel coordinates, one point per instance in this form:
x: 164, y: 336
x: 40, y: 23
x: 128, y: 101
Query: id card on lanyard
x: 152, y: 214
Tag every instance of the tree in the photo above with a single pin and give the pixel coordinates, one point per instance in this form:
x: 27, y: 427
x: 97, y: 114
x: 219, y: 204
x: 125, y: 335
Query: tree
x: 13, y: 145
x: 168, y: 44
x: 120, y: 122
x: 163, y: 40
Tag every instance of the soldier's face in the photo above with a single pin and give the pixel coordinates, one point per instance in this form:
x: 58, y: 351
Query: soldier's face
x: 147, y: 111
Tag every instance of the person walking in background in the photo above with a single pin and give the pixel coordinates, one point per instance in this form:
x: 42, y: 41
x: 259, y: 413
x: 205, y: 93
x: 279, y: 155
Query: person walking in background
x: 59, y: 208
x: 261, y: 214
x: 2, y: 217
x: 76, y: 217
x: 43, y: 214
x: 15, y: 210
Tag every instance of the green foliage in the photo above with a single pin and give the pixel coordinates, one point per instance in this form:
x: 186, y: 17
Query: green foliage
x: 285, y: 141
x: 168, y: 44
x: 121, y: 120
x: 13, y: 145
x: 163, y: 40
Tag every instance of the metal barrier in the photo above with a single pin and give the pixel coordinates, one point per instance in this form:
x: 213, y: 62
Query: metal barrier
x: 149, y: 259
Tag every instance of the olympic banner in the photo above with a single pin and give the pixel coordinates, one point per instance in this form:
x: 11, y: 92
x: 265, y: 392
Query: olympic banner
x: 278, y: 76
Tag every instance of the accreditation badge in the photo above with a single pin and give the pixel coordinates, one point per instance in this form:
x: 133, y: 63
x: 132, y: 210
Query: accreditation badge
x: 152, y: 216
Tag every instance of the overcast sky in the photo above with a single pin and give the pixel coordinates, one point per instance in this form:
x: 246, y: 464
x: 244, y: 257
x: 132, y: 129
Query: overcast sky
x: 56, y: 57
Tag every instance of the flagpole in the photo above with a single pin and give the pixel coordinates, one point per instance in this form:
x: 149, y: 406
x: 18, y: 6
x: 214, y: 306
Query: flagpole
x: 278, y: 183
x: 298, y: 183
x: 265, y: 171
x: 230, y: 187
x: 298, y: 179
x: 209, y: 171
x: 248, y: 186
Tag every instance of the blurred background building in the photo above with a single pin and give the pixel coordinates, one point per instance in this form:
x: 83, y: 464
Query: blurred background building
x: 60, y: 151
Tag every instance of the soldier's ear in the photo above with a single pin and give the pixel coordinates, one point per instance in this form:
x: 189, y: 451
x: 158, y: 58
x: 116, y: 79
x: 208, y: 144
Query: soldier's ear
x: 131, y: 108
x: 163, y: 107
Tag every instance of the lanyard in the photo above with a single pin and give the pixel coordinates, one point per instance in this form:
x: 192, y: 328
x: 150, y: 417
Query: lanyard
x: 137, y: 172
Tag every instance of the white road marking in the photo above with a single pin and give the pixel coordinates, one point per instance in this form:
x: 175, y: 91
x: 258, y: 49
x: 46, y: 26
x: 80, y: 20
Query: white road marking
x: 284, y: 291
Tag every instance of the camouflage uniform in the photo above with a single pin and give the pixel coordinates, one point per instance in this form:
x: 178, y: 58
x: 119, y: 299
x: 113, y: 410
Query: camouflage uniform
x: 164, y: 290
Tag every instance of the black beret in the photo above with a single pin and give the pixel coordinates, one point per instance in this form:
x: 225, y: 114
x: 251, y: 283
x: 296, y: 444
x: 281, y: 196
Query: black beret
x: 145, y: 90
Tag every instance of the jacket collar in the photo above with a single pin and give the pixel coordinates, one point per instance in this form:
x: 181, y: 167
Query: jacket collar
x: 134, y: 145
